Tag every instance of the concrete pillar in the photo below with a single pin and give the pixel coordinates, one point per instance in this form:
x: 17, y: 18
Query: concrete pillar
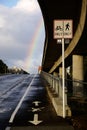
x: 77, y: 73
x: 77, y: 67
x: 56, y: 83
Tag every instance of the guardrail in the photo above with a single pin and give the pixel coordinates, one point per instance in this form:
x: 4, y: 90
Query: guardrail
x: 55, y: 84
x: 74, y: 89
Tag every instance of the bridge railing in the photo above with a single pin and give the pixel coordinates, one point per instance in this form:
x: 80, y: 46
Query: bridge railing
x: 76, y: 88
x: 55, y: 85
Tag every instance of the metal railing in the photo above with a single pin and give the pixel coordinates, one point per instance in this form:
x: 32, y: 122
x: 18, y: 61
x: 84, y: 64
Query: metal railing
x: 56, y: 84
x: 75, y: 93
x: 73, y: 87
x: 77, y: 88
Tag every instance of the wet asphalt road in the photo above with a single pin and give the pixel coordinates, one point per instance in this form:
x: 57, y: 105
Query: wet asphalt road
x: 12, y: 87
x: 25, y: 102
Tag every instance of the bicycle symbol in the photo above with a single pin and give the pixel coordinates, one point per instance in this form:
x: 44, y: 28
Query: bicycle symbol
x: 59, y: 28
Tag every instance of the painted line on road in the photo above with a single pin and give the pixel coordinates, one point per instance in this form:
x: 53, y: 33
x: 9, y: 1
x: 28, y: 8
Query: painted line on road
x: 21, y: 101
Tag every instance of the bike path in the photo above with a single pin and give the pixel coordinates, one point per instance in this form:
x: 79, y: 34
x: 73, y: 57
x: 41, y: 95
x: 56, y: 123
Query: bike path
x: 37, y: 112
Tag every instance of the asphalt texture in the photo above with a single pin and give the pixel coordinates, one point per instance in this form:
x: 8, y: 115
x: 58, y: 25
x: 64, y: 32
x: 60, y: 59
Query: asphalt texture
x: 37, y: 112
x: 26, y: 106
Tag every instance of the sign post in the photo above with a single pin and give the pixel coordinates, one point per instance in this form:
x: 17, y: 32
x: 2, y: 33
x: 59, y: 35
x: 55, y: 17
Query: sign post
x: 63, y: 77
x: 62, y: 30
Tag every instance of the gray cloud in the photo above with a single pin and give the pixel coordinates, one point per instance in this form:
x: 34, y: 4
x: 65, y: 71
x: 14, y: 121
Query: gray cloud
x: 17, y: 28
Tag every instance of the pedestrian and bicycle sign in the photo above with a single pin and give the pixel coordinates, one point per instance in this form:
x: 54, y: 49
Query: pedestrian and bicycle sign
x: 63, y: 29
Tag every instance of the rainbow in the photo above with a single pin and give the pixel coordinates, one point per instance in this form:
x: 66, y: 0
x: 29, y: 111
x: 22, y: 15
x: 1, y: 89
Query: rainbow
x: 33, y: 45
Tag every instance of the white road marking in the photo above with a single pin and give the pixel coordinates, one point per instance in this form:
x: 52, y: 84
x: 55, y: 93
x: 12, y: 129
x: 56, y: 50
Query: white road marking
x: 35, y: 121
x: 37, y: 109
x: 36, y: 103
x: 19, y: 104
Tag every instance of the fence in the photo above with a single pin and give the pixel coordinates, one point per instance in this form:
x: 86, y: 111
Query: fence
x: 73, y: 88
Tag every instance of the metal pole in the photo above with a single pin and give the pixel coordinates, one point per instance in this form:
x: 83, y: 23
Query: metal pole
x: 63, y: 77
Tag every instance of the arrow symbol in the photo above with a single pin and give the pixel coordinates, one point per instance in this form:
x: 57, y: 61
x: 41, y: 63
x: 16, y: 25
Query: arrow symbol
x: 35, y: 121
x: 36, y: 103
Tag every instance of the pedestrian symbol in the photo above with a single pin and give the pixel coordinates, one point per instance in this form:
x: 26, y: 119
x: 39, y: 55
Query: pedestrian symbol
x: 67, y: 26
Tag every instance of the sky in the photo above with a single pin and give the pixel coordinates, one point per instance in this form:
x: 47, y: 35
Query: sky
x: 22, y: 34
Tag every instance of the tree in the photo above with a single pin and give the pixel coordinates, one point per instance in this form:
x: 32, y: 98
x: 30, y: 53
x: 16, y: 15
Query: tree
x: 3, y: 67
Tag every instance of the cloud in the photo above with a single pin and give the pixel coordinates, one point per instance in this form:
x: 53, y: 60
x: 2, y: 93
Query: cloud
x: 27, y: 6
x: 17, y: 27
